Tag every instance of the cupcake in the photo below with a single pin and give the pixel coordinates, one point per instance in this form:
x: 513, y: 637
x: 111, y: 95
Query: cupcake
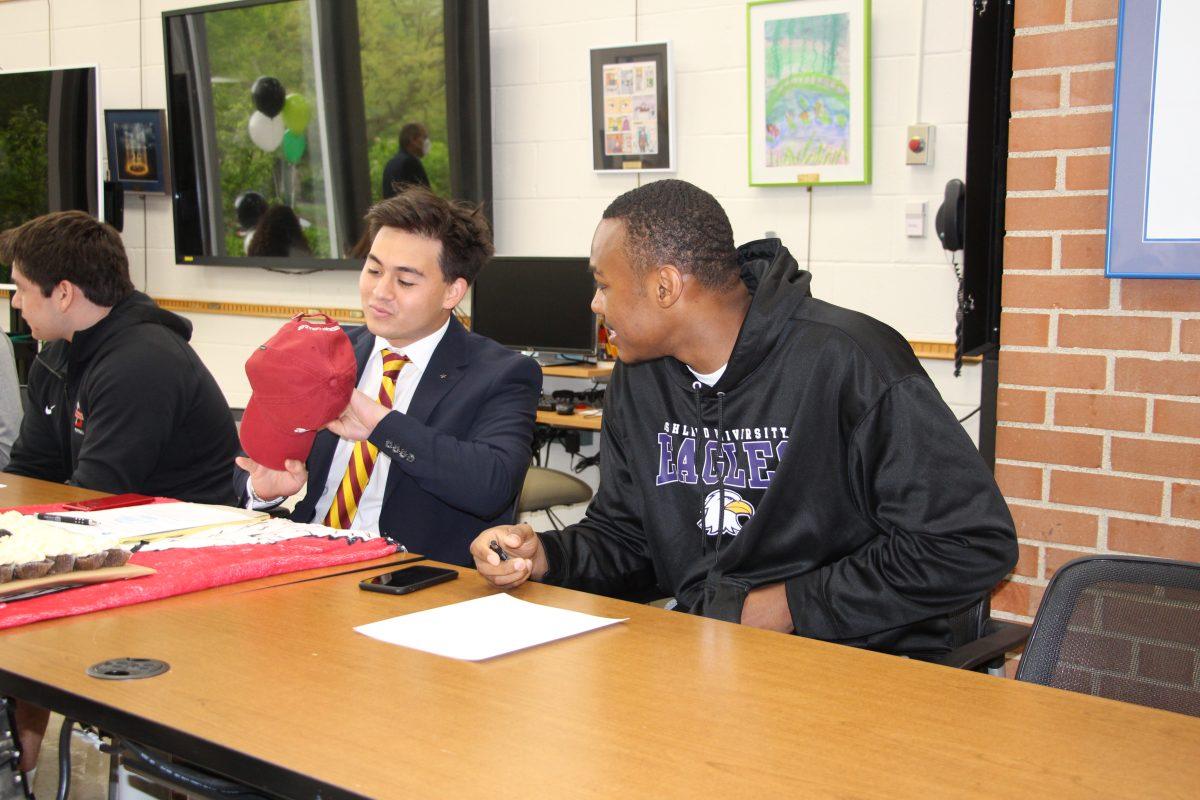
x: 32, y: 569
x: 62, y: 562
x: 6, y: 573
x: 116, y: 557
x: 90, y: 561
x: 24, y: 556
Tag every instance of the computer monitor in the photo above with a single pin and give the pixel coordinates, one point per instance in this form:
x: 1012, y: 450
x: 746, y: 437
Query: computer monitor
x: 541, y: 304
x: 49, y: 147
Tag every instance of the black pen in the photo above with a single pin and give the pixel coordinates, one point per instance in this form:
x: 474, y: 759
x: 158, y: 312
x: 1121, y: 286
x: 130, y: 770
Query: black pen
x: 498, y: 550
x: 68, y: 520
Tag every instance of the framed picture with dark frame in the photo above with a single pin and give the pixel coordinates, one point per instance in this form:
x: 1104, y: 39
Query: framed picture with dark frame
x: 633, y: 108
x: 137, y: 152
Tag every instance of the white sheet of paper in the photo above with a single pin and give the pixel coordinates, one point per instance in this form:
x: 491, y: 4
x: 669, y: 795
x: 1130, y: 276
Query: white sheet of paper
x: 151, y: 519
x: 482, y: 628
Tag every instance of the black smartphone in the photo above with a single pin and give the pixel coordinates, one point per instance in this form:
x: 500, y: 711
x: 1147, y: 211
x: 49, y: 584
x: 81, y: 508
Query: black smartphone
x: 409, y: 579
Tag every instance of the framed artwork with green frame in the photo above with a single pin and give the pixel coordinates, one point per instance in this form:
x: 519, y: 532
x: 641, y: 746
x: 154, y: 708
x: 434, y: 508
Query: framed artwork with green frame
x: 809, y: 92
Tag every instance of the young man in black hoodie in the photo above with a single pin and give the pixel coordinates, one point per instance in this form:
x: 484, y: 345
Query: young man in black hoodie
x: 766, y: 457
x: 119, y: 402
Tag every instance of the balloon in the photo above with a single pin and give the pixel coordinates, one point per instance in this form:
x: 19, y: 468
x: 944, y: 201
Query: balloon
x: 250, y: 206
x: 266, y: 132
x: 296, y: 113
x: 268, y: 95
x: 294, y: 145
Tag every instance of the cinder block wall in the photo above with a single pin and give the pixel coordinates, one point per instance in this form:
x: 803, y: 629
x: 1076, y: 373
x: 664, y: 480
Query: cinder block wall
x: 1098, y: 447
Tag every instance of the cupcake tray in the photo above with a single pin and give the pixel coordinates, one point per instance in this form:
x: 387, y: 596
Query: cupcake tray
x: 14, y: 590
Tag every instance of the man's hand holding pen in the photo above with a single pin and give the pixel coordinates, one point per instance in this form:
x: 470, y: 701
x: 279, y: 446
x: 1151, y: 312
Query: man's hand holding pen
x: 509, y: 555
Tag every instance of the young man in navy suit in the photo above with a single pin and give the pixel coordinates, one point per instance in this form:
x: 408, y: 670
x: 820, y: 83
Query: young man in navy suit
x: 451, y: 451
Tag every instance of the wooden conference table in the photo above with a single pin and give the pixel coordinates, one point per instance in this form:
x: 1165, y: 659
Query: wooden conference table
x: 270, y: 686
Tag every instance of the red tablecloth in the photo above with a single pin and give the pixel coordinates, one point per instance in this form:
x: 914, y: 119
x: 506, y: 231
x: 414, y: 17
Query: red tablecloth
x: 190, y: 570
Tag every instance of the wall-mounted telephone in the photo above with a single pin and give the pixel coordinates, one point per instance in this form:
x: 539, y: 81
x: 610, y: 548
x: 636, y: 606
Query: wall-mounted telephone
x: 949, y: 220
x: 951, y: 230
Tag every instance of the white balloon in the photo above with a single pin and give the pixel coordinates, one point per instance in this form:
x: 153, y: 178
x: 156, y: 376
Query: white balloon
x: 266, y: 132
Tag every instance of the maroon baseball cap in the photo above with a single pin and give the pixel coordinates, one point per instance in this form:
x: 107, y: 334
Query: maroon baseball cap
x: 301, y: 379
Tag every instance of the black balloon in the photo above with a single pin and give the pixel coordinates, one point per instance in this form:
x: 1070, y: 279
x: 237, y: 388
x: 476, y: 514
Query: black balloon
x: 268, y: 95
x: 250, y: 206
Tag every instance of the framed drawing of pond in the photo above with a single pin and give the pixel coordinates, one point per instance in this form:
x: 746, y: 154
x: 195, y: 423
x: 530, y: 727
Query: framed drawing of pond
x: 809, y: 76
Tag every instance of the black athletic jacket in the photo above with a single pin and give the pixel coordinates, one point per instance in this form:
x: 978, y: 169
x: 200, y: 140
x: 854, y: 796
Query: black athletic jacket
x: 850, y: 479
x: 127, y: 406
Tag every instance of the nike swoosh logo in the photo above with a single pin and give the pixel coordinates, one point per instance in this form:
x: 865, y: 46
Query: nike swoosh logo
x: 50, y: 409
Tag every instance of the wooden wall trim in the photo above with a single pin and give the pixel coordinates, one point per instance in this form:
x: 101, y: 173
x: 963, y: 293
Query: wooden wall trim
x: 940, y: 351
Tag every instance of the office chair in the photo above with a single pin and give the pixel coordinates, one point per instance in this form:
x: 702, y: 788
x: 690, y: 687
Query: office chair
x: 545, y: 488
x: 1122, y: 627
x: 980, y: 642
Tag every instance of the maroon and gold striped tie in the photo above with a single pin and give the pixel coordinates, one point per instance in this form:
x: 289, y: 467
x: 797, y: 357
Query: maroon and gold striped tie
x: 362, y: 460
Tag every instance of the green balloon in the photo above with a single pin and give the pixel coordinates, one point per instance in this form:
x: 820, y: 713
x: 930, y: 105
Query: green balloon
x: 296, y: 113
x: 294, y: 145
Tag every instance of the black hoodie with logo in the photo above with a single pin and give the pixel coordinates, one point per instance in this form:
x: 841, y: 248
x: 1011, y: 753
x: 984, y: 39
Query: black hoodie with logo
x: 127, y: 406
x: 850, y: 480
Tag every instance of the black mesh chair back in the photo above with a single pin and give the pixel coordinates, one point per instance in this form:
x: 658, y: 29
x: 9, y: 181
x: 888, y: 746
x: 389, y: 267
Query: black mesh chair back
x: 1121, y: 627
x: 979, y: 642
x: 970, y: 623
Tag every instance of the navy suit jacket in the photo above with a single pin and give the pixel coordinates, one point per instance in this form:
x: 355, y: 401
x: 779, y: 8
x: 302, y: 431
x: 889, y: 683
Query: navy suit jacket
x: 459, y: 455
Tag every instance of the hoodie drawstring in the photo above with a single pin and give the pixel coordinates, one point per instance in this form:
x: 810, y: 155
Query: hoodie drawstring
x: 696, y: 387
x: 722, y: 467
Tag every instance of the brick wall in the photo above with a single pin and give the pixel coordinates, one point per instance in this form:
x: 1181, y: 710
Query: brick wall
x: 1098, y: 444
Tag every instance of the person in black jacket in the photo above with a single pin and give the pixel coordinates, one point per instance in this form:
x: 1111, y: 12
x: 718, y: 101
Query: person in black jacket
x: 119, y: 401
x: 766, y: 457
x: 405, y: 168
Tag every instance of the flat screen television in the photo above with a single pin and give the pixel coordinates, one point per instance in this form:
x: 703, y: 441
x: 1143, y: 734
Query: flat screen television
x: 282, y: 115
x: 561, y: 321
x: 49, y: 149
x: 49, y: 158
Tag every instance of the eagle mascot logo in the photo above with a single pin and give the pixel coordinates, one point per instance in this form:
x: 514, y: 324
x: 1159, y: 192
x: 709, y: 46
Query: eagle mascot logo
x: 737, y: 513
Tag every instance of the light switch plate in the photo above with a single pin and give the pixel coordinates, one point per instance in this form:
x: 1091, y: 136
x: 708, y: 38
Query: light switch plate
x: 914, y: 220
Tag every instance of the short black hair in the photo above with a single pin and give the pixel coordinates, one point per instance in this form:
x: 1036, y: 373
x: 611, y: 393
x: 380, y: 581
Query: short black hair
x: 409, y: 132
x: 461, y: 227
x: 70, y: 246
x: 673, y: 222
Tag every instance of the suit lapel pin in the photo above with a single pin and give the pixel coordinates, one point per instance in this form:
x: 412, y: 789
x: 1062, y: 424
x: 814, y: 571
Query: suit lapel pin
x: 443, y: 376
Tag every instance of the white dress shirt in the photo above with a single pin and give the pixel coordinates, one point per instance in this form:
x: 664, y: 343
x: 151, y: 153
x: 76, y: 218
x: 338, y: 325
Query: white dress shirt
x: 370, y: 504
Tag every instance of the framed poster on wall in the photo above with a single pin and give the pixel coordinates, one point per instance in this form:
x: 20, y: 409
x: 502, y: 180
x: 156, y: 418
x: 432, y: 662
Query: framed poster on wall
x: 809, y: 83
x: 633, y: 108
x: 137, y: 153
x: 1154, y: 200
